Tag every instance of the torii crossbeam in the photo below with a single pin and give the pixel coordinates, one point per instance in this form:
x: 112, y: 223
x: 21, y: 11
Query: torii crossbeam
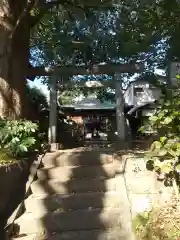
x: 98, y: 69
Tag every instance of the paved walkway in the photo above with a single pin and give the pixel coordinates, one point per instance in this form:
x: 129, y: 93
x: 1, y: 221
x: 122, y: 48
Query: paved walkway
x: 83, y: 195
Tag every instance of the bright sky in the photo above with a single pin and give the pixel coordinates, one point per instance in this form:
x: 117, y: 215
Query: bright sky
x: 38, y: 83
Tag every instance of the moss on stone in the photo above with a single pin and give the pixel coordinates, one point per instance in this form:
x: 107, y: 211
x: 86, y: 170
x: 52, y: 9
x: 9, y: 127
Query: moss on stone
x: 6, y: 158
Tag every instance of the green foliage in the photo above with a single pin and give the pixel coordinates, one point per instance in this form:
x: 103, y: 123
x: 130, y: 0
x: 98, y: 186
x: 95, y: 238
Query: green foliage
x: 161, y: 223
x: 68, y: 96
x: 38, y: 102
x: 74, y: 33
x: 18, y: 137
x: 6, y: 157
x: 167, y: 119
x: 164, y: 154
x: 104, y: 95
x: 126, y: 30
x: 140, y: 224
x: 121, y: 32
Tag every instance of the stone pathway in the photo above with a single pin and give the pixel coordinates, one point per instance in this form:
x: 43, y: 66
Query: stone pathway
x: 78, y: 196
x: 83, y: 195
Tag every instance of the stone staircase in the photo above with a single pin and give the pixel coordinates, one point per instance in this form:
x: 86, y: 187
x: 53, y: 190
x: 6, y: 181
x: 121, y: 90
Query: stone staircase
x: 78, y: 196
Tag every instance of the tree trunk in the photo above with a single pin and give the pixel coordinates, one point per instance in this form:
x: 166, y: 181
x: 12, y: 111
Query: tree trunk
x: 14, y: 58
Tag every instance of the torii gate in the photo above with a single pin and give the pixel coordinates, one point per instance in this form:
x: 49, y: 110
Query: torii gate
x: 57, y: 73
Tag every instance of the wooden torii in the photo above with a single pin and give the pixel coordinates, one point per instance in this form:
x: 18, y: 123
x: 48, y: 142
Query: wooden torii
x: 57, y: 73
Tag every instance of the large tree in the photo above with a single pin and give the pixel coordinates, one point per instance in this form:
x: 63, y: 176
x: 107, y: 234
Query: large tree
x: 90, y: 35
x: 119, y: 32
x: 14, y: 54
x: 124, y: 31
x: 16, y: 20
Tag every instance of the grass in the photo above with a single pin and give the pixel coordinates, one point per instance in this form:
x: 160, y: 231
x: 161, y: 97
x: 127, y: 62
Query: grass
x: 6, y: 158
x: 161, y: 223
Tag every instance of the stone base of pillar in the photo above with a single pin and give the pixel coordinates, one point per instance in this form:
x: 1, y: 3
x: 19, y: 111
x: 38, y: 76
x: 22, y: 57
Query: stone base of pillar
x: 54, y: 147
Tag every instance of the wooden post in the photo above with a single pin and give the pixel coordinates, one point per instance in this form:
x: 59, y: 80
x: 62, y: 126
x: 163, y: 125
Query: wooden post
x: 53, y: 114
x: 120, y: 119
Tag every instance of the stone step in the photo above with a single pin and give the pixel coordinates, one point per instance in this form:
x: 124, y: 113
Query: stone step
x: 110, y: 234
x: 83, y: 220
x: 27, y: 237
x: 41, y: 206
x: 58, y: 222
x: 67, y: 172
x: 84, y: 158
x: 73, y: 186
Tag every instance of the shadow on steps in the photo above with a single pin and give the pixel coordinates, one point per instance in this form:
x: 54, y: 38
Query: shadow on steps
x: 83, y: 205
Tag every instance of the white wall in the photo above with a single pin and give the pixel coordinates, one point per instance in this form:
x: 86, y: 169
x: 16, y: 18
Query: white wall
x: 147, y: 95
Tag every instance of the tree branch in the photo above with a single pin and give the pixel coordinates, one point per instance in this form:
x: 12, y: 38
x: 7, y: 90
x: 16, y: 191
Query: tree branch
x: 43, y: 8
x: 29, y: 6
x: 36, y: 19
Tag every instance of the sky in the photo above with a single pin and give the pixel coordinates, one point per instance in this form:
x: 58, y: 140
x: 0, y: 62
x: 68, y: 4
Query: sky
x: 38, y: 84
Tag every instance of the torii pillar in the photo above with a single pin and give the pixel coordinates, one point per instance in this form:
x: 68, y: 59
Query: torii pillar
x: 120, y: 119
x: 52, y: 132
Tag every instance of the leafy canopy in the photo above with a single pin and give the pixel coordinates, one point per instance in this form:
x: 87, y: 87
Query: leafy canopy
x: 164, y: 155
x: 73, y: 33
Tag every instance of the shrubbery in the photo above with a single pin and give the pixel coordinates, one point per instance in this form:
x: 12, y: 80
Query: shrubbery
x: 17, y: 139
x: 164, y: 154
x: 163, y: 223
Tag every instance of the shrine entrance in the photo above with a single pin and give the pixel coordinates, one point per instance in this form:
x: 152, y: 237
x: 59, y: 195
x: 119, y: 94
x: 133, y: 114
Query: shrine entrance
x: 63, y: 76
x: 93, y: 118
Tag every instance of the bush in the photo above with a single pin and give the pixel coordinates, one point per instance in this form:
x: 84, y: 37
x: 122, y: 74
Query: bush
x: 38, y: 102
x: 161, y: 223
x: 164, y: 154
x: 18, y: 137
